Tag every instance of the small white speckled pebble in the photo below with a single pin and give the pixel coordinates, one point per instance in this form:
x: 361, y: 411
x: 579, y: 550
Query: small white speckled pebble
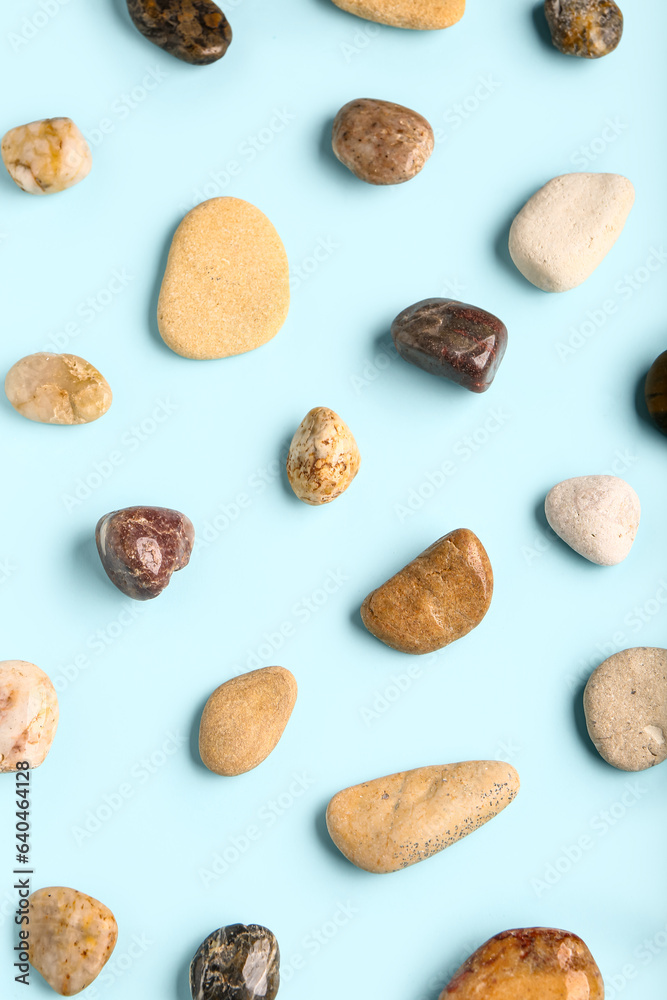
x: 597, y: 516
x: 46, y: 156
x: 323, y: 457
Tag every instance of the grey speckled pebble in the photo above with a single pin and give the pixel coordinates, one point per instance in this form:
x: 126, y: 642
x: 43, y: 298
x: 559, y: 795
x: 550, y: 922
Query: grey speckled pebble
x: 625, y: 702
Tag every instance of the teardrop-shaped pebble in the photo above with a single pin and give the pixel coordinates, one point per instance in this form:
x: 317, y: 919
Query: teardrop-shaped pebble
x: 226, y: 285
x: 195, y: 31
x: 597, y: 516
x: 46, y: 156
x: 57, y: 389
x: 568, y: 227
x: 239, y: 962
x: 532, y: 963
x: 28, y: 714
x: 244, y: 719
x: 72, y: 937
x: 323, y: 457
x: 436, y: 599
x: 396, y: 821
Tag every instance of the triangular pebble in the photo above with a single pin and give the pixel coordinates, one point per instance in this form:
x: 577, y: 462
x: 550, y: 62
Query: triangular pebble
x: 597, y: 516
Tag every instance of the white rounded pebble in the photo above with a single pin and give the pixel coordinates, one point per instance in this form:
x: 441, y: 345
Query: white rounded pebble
x: 597, y: 516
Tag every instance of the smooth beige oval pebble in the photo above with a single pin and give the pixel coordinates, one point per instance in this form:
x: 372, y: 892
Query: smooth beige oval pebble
x: 57, y: 389
x: 46, y: 156
x: 323, y: 458
x: 396, y: 821
x: 597, y: 516
x: 28, y: 714
x: 244, y: 719
x: 225, y: 289
x: 416, y: 14
x: 72, y: 937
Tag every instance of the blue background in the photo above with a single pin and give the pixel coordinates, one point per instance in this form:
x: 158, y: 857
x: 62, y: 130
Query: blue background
x: 204, y: 437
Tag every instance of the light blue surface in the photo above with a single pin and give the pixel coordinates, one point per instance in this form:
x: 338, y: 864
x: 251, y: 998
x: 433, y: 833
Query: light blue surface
x: 510, y: 113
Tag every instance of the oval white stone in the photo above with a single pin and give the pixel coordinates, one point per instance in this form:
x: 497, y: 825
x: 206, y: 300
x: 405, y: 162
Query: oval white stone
x: 597, y: 516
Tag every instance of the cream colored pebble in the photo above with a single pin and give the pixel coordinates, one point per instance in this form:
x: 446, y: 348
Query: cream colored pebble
x: 323, y: 457
x: 597, y: 516
x: 46, y: 156
x: 57, y: 389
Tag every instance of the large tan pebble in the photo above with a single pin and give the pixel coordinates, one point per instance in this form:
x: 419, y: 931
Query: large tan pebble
x: 323, y: 458
x: 57, y: 389
x: 226, y: 286
x: 597, y: 516
x: 417, y: 14
x: 568, y: 227
x: 46, y: 156
x: 28, y: 714
x: 72, y: 937
x: 244, y: 719
x: 393, y: 822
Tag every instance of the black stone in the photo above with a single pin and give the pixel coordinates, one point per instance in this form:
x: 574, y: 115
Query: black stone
x: 239, y: 962
x: 195, y: 31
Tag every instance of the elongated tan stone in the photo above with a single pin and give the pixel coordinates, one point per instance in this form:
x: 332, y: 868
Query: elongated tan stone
x: 72, y: 937
x: 244, y: 719
x: 416, y: 14
x: 225, y: 289
x: 396, y: 821
x: 28, y: 714
x: 57, y: 389
x: 46, y: 156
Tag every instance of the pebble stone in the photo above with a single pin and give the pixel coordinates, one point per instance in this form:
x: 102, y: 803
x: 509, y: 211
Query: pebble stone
x: 323, y: 457
x: 46, y: 156
x: 587, y: 28
x: 421, y: 15
x: 226, y: 285
x: 239, y: 962
x: 393, y: 822
x: 531, y: 963
x: 656, y: 392
x: 381, y: 142
x: 195, y: 31
x: 625, y: 702
x: 597, y: 516
x: 57, y: 389
x: 568, y: 227
x: 436, y: 599
x: 28, y: 714
x: 244, y: 719
x: 72, y: 937
x: 141, y: 547
x: 460, y: 342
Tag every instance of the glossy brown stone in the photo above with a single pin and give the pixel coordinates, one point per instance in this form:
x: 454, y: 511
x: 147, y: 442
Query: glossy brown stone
x: 457, y: 341
x: 239, y: 962
x: 195, y: 31
x: 141, y: 547
x: 381, y: 142
x: 655, y: 391
x: 586, y: 28
x: 533, y: 963
x: 437, y: 598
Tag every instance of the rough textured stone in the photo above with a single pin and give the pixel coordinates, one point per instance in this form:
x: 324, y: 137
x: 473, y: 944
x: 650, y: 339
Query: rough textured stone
x: 226, y: 286
x: 533, y: 963
x: 396, y: 821
x: 195, y: 31
x: 437, y: 598
x: 597, y: 516
x: 28, y: 714
x: 244, y: 719
x: 381, y: 142
x: 323, y: 458
x: 417, y: 14
x: 236, y: 963
x: 568, y: 227
x: 656, y: 392
x: 46, y: 156
x: 72, y: 937
x: 141, y: 547
x: 457, y: 341
x: 57, y: 389
x: 625, y: 702
x: 588, y: 28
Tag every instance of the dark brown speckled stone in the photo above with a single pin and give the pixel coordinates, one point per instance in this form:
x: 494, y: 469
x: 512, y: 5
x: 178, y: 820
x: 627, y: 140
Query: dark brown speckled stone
x: 239, y: 962
x: 195, y: 31
x: 656, y: 392
x: 586, y: 28
x: 140, y: 548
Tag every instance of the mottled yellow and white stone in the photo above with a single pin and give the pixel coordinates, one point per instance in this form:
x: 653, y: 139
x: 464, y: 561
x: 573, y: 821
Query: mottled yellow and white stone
x: 46, y: 156
x: 323, y: 457
x: 57, y: 389
x: 72, y: 937
x: 28, y: 714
